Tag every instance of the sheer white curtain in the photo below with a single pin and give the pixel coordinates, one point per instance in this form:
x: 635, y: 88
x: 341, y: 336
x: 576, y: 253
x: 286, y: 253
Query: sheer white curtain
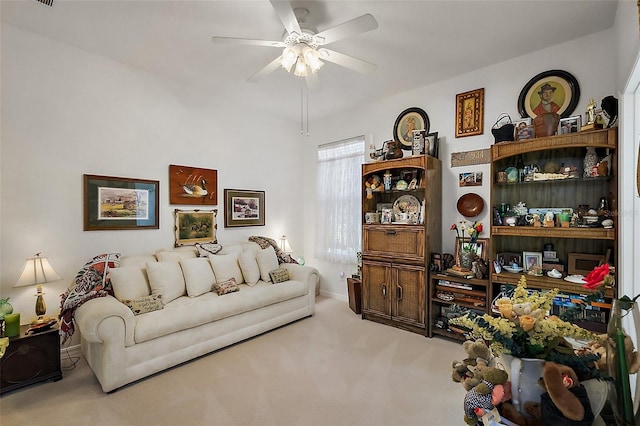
x: 339, y: 200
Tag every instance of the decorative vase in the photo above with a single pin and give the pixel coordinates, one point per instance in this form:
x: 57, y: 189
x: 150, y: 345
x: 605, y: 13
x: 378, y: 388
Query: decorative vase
x: 617, y: 363
x: 5, y: 307
x: 546, y: 124
x: 466, y: 259
x: 524, y: 374
x: 590, y: 161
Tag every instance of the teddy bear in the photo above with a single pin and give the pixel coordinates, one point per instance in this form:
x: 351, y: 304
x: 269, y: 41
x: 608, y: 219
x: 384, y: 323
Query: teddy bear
x: 492, y: 390
x: 565, y: 401
x: 599, y: 347
x: 466, y: 371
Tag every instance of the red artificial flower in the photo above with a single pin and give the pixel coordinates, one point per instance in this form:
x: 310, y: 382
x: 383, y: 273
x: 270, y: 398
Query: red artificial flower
x: 595, y: 278
x: 479, y: 228
x: 453, y: 227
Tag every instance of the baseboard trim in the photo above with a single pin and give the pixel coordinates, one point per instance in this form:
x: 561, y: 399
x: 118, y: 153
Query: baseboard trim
x: 332, y: 295
x: 70, y: 351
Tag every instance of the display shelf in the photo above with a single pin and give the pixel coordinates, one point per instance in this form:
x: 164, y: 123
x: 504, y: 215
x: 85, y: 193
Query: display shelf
x: 556, y: 232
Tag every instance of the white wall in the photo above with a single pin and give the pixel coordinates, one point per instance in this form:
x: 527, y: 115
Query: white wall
x: 66, y: 112
x: 502, y: 83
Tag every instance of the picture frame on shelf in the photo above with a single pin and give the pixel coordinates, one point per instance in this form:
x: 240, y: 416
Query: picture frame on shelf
x: 481, y: 248
x: 409, y: 120
x: 582, y: 264
x: 509, y: 258
x: 192, y: 185
x: 195, y: 226
x: 531, y: 260
x: 570, y: 125
x: 119, y: 203
x: 523, y: 129
x: 243, y: 208
x: 387, y: 216
x: 432, y: 144
x: 470, y: 113
x: 562, y: 94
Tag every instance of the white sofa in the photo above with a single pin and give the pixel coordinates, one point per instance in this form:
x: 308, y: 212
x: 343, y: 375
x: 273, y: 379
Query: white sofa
x: 122, y: 347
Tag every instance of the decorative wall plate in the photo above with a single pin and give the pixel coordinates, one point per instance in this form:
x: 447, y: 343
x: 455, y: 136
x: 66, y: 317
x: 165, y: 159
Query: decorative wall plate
x: 406, y: 204
x: 409, y: 120
x: 562, y: 94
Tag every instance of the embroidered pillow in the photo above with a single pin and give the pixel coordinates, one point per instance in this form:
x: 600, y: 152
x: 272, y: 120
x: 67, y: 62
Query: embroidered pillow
x: 267, y: 261
x: 228, y: 286
x: 205, y: 249
x: 144, y: 304
x: 249, y: 267
x: 279, y: 275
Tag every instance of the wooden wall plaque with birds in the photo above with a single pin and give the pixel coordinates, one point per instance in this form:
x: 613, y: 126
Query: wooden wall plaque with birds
x: 193, y: 186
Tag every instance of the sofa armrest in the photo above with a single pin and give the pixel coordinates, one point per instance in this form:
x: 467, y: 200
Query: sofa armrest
x: 91, y: 315
x: 303, y: 273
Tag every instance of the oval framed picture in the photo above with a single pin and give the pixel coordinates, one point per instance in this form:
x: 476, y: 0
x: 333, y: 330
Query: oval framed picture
x: 409, y: 120
x: 550, y: 91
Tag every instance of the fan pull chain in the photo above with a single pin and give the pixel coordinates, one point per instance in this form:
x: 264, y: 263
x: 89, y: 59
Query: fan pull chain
x: 304, y: 115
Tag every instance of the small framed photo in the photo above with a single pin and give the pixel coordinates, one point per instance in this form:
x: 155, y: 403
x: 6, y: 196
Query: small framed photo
x: 508, y: 259
x: 195, y: 226
x: 432, y: 144
x: 480, y: 248
x: 582, y: 264
x: 523, y: 129
x: 243, y: 208
x: 470, y: 113
x: 532, y: 259
x: 387, y: 216
x: 570, y: 125
x: 470, y: 179
x: 115, y: 203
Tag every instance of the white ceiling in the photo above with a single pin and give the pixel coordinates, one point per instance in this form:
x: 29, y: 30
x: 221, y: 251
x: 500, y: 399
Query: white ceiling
x: 417, y: 42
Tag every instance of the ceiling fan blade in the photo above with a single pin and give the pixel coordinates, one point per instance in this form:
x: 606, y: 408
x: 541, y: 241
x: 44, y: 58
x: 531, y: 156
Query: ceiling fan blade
x: 287, y: 16
x: 272, y: 66
x: 313, y: 82
x: 355, y: 26
x: 347, y: 61
x: 235, y: 40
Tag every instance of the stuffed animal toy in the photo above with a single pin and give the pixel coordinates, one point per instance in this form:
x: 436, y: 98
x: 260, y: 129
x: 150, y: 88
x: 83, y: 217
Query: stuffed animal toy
x: 599, y: 347
x: 466, y: 371
x: 564, y: 403
x: 487, y: 394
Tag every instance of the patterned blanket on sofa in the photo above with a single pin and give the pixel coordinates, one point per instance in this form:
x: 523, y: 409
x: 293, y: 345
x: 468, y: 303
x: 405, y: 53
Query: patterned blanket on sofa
x: 90, y: 282
x: 265, y: 242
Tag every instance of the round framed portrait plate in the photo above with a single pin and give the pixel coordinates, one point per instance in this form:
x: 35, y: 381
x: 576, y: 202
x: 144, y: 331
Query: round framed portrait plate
x: 409, y: 120
x: 550, y: 91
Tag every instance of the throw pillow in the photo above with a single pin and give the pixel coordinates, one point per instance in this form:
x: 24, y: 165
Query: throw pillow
x: 129, y: 282
x: 267, y: 262
x: 206, y: 249
x: 144, y: 304
x: 198, y: 275
x: 279, y: 275
x: 224, y: 287
x: 139, y: 261
x: 166, y: 279
x: 167, y: 255
x: 249, y: 267
x: 225, y: 266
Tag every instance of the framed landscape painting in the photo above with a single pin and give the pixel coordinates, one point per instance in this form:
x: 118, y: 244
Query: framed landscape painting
x: 243, y: 208
x: 195, y: 226
x: 116, y: 203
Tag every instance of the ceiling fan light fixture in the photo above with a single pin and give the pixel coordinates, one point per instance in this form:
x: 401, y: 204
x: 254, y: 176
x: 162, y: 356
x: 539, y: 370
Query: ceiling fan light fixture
x: 301, y: 68
x: 312, y: 59
x: 288, y: 58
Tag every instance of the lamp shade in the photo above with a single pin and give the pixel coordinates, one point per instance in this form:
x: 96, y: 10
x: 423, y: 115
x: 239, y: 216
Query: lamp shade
x: 37, y: 270
x: 284, y: 245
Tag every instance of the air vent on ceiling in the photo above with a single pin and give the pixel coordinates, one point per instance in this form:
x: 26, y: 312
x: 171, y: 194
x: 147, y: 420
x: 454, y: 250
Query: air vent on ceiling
x: 47, y: 2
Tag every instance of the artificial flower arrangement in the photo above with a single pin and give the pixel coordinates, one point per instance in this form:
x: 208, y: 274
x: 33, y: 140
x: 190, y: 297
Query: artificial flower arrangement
x: 473, y: 230
x: 525, y: 330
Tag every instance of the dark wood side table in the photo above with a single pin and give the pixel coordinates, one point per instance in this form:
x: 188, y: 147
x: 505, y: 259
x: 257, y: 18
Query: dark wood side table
x: 30, y: 359
x: 354, y: 287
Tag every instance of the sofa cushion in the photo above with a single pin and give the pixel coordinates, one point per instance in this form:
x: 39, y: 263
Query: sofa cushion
x: 198, y: 275
x: 226, y: 287
x: 188, y: 312
x: 279, y: 275
x: 267, y: 262
x: 144, y: 304
x: 225, y: 266
x: 129, y: 282
x: 139, y: 261
x: 233, y: 248
x: 166, y: 279
x: 166, y: 255
x: 249, y: 267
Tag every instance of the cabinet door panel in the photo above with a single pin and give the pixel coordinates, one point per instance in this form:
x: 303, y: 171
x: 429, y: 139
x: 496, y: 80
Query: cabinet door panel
x: 376, y: 287
x: 409, y: 292
x: 388, y: 240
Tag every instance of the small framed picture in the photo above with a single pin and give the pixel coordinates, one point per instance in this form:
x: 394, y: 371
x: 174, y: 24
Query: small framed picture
x: 532, y: 259
x: 570, y: 125
x: 523, y: 129
x: 387, y: 216
x: 470, y: 113
x: 431, y: 144
x: 243, y: 208
x: 508, y: 259
x: 470, y: 179
x: 480, y: 247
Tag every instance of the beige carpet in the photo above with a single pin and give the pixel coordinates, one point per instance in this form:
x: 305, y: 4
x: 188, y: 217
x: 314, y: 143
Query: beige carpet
x: 329, y: 369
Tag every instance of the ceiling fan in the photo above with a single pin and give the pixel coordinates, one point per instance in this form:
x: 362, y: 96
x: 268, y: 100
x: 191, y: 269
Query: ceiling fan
x: 303, y: 46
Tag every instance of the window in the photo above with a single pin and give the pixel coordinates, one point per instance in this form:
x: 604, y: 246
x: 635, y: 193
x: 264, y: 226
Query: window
x: 339, y: 233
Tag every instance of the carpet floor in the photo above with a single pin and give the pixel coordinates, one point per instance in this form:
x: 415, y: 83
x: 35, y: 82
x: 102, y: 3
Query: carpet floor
x: 329, y: 369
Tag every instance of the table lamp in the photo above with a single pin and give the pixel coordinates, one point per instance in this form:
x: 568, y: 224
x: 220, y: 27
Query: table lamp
x: 38, y: 271
x: 284, y: 245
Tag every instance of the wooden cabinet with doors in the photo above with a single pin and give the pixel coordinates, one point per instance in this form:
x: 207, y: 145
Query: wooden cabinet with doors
x: 396, y: 254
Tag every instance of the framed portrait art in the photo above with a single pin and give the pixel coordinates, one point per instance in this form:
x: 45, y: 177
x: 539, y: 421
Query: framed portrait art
x: 193, y: 186
x: 114, y: 203
x: 195, y: 226
x: 480, y: 249
x: 470, y: 113
x: 550, y: 91
x: 409, y: 120
x: 532, y: 259
x: 243, y: 208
